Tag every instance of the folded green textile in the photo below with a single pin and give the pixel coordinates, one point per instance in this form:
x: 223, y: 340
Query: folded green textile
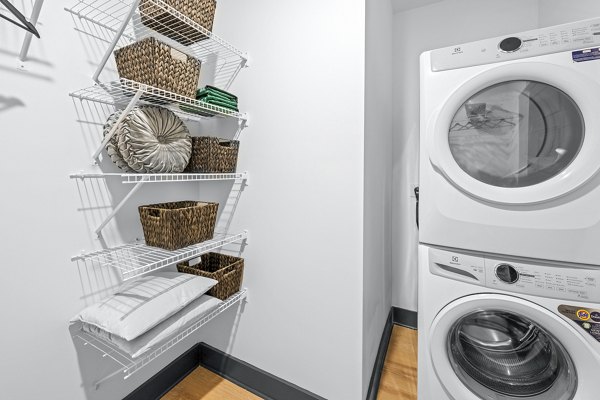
x: 214, y: 90
x: 215, y: 96
x: 221, y: 104
x: 194, y: 110
x: 219, y: 101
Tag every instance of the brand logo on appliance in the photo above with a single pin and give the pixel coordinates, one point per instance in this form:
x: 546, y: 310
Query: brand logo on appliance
x: 583, y: 315
x: 457, y: 50
x: 454, y: 259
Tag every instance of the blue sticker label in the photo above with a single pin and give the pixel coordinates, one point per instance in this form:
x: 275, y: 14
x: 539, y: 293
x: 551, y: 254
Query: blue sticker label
x: 586, y: 55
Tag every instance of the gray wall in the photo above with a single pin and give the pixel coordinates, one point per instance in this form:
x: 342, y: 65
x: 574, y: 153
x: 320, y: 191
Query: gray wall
x: 377, y: 282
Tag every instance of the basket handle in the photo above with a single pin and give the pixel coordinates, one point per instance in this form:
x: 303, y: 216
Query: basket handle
x: 229, y: 271
x: 178, y: 55
x: 226, y: 143
x: 154, y: 213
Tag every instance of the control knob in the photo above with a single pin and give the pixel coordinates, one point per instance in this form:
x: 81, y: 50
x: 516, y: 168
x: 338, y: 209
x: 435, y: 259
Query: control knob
x: 510, y: 44
x: 507, y: 273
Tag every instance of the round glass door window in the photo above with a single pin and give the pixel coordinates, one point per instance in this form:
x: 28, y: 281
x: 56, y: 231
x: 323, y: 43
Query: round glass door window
x: 516, y: 134
x: 500, y: 355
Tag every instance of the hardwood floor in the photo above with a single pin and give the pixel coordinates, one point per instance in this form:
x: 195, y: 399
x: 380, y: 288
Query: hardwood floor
x: 398, y: 378
x: 399, y: 375
x: 205, y: 385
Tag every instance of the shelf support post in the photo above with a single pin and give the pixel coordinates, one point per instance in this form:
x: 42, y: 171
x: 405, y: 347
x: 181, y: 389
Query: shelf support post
x: 115, y: 126
x: 118, y: 206
x: 115, y: 40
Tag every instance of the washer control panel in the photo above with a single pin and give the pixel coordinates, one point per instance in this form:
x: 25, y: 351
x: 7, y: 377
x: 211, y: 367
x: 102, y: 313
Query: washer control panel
x: 556, y: 39
x: 549, y: 280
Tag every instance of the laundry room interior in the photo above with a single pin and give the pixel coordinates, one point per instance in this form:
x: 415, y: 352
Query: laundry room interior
x: 433, y: 162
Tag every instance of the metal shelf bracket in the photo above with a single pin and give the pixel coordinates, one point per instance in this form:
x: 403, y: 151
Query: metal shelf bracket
x: 243, y: 122
x: 115, y: 126
x: 114, y: 41
x: 118, y: 207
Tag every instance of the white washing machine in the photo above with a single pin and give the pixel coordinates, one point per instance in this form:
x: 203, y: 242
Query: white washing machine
x: 503, y: 329
x: 510, y: 145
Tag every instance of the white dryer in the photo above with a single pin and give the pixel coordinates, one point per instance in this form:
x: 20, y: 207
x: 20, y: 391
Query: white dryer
x: 505, y: 329
x: 510, y: 145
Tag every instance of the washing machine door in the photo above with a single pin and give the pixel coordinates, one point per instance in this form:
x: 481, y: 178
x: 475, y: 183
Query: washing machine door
x: 492, y: 346
x: 522, y: 133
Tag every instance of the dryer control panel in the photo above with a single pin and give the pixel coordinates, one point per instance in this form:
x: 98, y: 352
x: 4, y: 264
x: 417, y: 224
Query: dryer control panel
x: 569, y: 282
x: 556, y: 39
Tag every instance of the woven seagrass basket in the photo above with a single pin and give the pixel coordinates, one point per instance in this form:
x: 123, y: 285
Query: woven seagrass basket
x: 157, y: 15
x: 211, y: 154
x: 228, y: 270
x: 179, y: 224
x: 152, y: 62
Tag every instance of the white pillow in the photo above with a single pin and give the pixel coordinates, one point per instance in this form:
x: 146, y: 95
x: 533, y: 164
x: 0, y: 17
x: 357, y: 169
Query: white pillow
x: 166, y: 329
x: 142, y: 304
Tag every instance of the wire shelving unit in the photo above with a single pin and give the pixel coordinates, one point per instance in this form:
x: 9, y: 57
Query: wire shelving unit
x: 127, y: 94
x: 128, y: 365
x: 150, y: 178
x: 121, y: 92
x: 140, y: 179
x: 132, y: 20
x: 136, y: 259
x: 124, y: 18
x: 125, y: 23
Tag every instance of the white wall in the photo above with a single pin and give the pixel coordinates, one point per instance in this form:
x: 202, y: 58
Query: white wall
x: 304, y: 150
x: 556, y: 12
x: 377, y: 282
x: 303, y: 206
x: 417, y: 30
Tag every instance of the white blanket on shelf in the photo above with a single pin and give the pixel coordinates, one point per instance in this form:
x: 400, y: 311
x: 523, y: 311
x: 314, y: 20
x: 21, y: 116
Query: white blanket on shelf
x: 140, y: 305
x: 160, y: 333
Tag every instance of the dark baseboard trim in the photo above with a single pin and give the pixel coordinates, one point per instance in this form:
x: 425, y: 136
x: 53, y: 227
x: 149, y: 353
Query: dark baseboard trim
x: 380, y: 359
x: 168, y: 377
x: 405, y: 318
x: 253, y: 379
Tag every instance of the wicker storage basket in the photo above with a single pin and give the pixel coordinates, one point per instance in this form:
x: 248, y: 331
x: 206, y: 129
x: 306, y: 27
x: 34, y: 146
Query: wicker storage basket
x: 179, y: 224
x: 152, y: 62
x: 211, y: 154
x: 228, y: 270
x: 159, y: 18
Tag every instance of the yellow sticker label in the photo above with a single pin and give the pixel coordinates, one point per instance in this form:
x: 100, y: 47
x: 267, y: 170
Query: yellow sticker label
x: 583, y: 315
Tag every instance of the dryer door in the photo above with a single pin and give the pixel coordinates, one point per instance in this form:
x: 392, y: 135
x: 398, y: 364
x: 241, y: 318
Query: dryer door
x: 500, y: 347
x: 519, y: 134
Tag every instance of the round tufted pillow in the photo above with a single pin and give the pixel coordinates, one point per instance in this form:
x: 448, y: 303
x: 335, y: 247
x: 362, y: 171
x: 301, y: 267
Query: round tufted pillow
x: 154, y: 140
x: 112, y: 147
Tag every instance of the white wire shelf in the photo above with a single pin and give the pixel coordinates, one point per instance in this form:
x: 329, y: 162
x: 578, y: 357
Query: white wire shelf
x: 123, y: 17
x: 120, y: 93
x: 150, y: 178
x: 132, y: 365
x: 136, y: 259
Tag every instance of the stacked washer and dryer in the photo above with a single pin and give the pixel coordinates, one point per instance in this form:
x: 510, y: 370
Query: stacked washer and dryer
x: 509, y: 253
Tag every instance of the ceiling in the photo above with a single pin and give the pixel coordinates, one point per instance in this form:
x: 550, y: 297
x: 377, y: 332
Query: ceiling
x: 403, y: 5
